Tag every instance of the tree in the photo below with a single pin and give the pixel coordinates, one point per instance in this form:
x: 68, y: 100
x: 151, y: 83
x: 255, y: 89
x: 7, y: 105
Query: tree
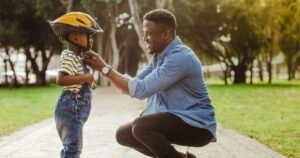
x: 24, y: 25
x: 10, y: 39
x: 118, y: 43
x: 246, y: 40
x: 225, y: 30
x: 290, y: 39
x: 40, y: 41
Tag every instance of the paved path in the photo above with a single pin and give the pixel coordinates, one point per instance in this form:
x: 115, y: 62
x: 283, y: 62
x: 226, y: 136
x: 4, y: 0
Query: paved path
x: 110, y: 110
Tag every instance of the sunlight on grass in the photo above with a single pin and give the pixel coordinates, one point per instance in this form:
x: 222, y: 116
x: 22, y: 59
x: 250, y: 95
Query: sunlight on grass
x: 20, y: 107
x: 268, y: 113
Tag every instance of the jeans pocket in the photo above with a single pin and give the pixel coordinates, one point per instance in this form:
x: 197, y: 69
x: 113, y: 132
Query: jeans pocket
x: 85, y: 112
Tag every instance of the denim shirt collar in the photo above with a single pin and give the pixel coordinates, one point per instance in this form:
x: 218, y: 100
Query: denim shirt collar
x: 168, y: 49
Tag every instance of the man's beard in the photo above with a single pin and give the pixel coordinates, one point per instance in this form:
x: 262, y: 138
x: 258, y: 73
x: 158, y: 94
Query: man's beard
x: 151, y: 52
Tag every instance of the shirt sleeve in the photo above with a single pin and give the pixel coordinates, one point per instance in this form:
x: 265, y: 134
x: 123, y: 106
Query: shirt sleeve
x: 174, y: 68
x: 146, y: 70
x: 68, y: 65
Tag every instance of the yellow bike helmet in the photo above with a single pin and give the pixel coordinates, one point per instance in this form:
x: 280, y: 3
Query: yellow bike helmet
x: 74, y: 21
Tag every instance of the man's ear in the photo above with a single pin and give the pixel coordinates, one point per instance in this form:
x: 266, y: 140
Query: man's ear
x: 167, y: 34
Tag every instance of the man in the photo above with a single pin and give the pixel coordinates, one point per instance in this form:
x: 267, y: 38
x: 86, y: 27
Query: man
x: 178, y: 110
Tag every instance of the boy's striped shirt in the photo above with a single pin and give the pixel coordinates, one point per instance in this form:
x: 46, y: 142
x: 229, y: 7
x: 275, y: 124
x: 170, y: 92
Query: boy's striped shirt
x: 70, y: 63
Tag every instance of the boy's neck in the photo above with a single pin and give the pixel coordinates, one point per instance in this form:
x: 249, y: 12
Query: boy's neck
x: 73, y: 48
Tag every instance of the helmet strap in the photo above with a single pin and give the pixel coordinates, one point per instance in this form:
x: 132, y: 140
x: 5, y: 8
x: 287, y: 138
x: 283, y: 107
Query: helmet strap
x: 80, y: 48
x: 88, y: 47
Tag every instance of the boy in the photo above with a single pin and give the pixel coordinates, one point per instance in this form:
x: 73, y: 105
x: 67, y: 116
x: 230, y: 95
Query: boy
x: 74, y: 104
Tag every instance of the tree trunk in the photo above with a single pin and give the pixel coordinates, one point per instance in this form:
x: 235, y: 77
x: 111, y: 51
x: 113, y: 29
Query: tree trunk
x: 106, y: 56
x: 42, y: 75
x: 12, y: 67
x: 226, y: 76
x: 251, y: 72
x: 239, y: 74
x: 5, y: 71
x: 270, y: 57
x: 46, y: 57
x: 34, y: 64
x: 138, y: 26
x: 114, y: 45
x: 100, y: 50
x: 289, y: 68
x: 269, y: 68
x: 225, y: 73
x: 26, y: 71
x: 260, y: 70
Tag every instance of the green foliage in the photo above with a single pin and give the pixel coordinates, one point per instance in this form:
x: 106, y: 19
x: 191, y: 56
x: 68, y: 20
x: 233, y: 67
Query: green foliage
x: 24, y: 23
x: 245, y: 29
x: 290, y: 25
x: 10, y: 14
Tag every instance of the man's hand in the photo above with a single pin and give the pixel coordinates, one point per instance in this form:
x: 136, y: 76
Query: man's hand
x: 94, y: 60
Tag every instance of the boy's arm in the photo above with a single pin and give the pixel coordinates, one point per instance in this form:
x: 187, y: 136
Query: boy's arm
x: 64, y: 79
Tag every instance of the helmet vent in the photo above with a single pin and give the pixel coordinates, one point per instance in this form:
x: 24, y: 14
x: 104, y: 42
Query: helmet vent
x: 80, y: 21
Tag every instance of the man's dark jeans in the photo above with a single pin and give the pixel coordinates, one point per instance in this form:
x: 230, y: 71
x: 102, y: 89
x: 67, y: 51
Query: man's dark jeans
x: 153, y: 135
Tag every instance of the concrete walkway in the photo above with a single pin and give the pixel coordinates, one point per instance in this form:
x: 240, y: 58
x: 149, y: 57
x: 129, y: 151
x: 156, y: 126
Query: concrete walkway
x: 110, y: 110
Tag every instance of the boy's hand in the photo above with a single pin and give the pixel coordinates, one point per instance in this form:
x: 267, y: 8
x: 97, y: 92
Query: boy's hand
x: 88, y: 78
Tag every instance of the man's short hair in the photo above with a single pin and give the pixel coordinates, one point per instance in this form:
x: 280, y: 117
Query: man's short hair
x: 162, y: 16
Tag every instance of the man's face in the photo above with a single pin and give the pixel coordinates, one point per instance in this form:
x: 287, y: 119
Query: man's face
x: 154, y: 36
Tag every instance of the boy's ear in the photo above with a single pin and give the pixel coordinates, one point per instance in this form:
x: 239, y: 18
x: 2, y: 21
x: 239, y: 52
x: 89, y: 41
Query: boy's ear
x: 73, y: 37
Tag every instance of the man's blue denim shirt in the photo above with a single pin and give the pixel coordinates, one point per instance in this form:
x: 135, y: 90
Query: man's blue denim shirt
x: 173, y: 82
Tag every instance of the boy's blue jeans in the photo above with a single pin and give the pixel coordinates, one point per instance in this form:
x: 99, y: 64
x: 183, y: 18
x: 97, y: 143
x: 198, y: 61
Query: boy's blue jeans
x: 71, y: 112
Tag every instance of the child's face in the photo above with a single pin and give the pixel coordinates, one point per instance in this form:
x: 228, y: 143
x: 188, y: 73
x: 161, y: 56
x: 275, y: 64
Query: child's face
x: 81, y: 39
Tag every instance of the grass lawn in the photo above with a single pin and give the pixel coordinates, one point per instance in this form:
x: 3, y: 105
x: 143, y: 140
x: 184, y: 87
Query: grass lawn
x: 267, y: 113
x: 24, y: 106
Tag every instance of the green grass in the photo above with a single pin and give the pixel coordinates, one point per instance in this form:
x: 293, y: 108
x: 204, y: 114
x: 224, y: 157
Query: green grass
x: 24, y: 106
x: 267, y: 113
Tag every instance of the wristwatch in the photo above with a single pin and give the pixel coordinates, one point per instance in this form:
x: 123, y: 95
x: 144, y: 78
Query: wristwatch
x: 105, y: 70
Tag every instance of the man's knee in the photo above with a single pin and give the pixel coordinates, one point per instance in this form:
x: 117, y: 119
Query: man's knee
x: 124, y: 135
x: 120, y: 136
x: 139, y: 127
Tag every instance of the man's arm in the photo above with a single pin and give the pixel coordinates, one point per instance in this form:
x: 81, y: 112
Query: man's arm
x: 96, y: 62
x: 173, y: 69
x: 120, y: 81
